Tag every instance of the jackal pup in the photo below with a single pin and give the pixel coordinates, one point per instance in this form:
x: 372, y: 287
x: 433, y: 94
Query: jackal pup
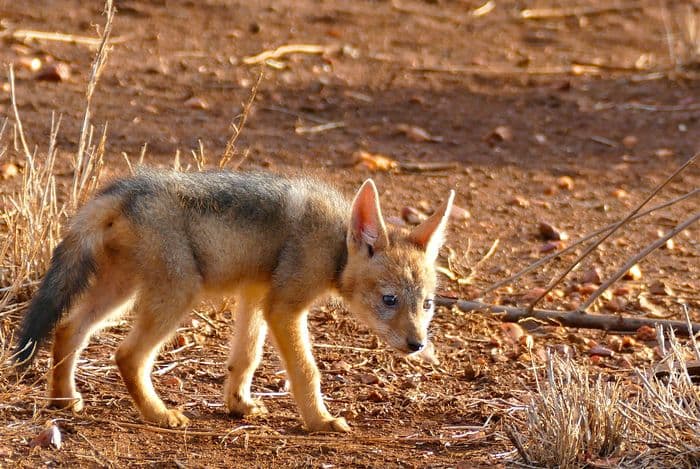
x: 158, y: 242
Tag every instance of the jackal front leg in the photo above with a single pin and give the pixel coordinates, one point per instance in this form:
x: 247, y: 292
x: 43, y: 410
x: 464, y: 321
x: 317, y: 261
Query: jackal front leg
x: 292, y: 339
x: 246, y: 350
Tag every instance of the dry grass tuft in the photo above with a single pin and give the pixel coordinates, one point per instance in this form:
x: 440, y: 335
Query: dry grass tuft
x: 572, y: 418
x: 682, y: 25
x: 666, y: 417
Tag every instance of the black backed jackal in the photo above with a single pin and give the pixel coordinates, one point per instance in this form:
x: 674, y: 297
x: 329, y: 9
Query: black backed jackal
x: 158, y: 242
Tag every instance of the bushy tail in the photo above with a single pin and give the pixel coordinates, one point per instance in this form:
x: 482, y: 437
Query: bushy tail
x: 71, y: 269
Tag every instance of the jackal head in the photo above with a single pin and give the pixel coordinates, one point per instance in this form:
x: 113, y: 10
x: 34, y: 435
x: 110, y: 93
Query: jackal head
x: 389, y: 279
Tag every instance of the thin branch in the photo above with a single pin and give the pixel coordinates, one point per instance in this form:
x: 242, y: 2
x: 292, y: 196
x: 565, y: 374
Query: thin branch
x: 589, y: 236
x: 27, y: 153
x: 619, y: 224
x: 577, y: 319
x: 281, y: 51
x: 29, y: 34
x: 550, y: 13
x: 636, y: 258
x: 81, y: 164
x: 230, y: 150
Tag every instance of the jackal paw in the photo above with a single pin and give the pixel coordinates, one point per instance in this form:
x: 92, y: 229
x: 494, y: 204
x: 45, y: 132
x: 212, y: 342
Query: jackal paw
x: 332, y: 424
x: 170, y: 418
x: 244, y: 407
x: 74, y: 402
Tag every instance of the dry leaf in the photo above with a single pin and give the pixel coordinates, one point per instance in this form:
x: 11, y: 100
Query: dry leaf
x: 512, y: 332
x: 375, y: 161
x: 418, y: 134
x: 50, y: 436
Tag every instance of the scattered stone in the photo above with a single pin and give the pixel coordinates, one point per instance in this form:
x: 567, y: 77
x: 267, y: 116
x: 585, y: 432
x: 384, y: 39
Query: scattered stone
x: 630, y: 141
x: 8, y: 170
x: 635, y: 273
x: 601, y: 351
x: 619, y: 194
x: 549, y: 232
x: 418, y: 134
x: 412, y: 216
x: 660, y: 288
x: 592, y: 276
x: 502, y: 133
x: 368, y: 378
x: 55, y: 71
x: 519, y: 201
x: 549, y: 247
x: 197, y: 103
x: 566, y: 183
x: 664, y: 153
x: 459, y: 214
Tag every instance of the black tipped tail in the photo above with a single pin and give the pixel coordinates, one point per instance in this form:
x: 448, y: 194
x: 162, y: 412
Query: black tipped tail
x: 69, y: 274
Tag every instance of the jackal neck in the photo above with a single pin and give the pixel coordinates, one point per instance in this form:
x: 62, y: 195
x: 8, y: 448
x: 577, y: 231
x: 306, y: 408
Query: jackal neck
x: 340, y: 261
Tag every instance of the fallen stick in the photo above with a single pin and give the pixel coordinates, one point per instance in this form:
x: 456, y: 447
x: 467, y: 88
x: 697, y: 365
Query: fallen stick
x: 577, y: 319
x: 27, y: 34
x: 550, y: 13
x: 286, y: 50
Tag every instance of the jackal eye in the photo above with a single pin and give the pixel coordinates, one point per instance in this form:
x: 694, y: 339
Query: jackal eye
x: 428, y: 304
x: 390, y: 300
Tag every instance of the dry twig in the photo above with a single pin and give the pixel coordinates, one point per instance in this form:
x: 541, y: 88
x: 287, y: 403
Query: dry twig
x: 589, y: 236
x: 617, y: 226
x: 281, y: 51
x: 230, y: 150
x: 577, y: 319
x: 636, y: 258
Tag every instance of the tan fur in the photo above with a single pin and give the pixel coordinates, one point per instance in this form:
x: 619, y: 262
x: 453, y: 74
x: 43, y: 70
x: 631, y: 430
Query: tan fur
x: 161, y: 264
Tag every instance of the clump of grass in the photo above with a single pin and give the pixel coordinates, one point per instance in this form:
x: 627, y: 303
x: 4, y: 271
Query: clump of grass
x: 682, y: 25
x: 34, y: 214
x: 667, y: 415
x: 572, y: 418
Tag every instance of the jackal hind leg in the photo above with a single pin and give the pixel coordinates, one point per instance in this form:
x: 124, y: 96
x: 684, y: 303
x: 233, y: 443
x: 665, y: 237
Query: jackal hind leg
x: 245, y: 354
x: 109, y: 296
x: 158, y: 311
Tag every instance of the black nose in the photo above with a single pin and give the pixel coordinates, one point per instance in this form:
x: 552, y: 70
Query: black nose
x: 414, y: 345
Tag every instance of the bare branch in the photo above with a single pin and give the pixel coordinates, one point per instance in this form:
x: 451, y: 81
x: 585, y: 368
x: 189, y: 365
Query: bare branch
x: 636, y: 258
x: 577, y: 319
x: 589, y: 236
x: 619, y: 224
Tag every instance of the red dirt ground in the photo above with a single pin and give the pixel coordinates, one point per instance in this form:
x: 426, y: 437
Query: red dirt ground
x: 509, y: 111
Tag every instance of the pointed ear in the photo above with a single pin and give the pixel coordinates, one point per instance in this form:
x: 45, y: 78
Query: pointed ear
x: 366, y: 222
x: 430, y: 234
